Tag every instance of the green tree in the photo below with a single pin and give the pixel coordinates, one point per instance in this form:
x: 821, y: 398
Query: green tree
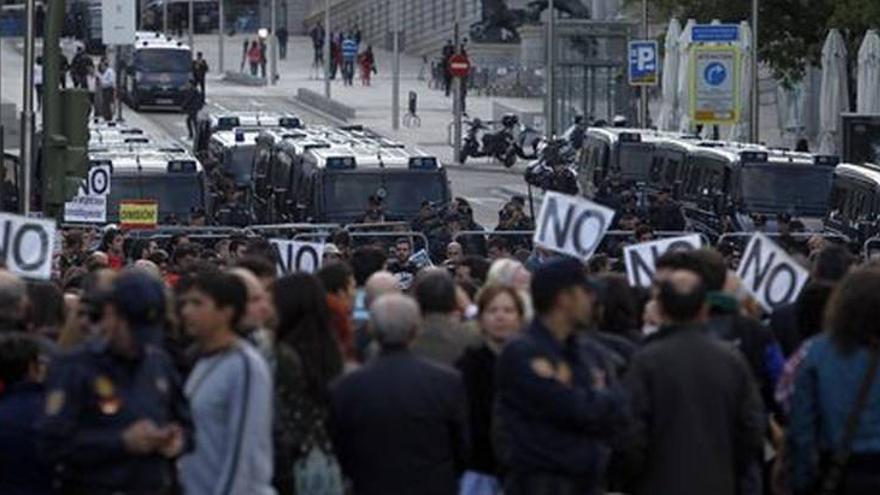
x: 791, y: 32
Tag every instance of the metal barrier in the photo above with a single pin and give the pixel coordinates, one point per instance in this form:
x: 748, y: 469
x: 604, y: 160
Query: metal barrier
x: 288, y: 229
x: 613, y: 238
x: 741, y: 238
x: 409, y: 235
x: 379, y: 227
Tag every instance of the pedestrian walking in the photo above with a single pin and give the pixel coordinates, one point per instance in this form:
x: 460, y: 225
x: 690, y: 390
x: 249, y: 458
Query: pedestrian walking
x: 107, y: 78
x: 368, y: 65
x: 233, y: 443
x: 254, y: 56
x: 245, y: 51
x: 282, y: 36
x: 200, y: 71
x: 445, y: 54
x: 836, y: 402
x: 263, y: 58
x: 557, y: 407
x: 115, y: 418
x: 79, y: 68
x: 22, y: 471
x: 335, y: 57
x: 501, y: 316
x: 399, y: 422
x: 349, y: 56
x: 718, y: 425
x: 193, y: 102
x: 38, y: 81
x: 63, y: 68
x: 307, y: 359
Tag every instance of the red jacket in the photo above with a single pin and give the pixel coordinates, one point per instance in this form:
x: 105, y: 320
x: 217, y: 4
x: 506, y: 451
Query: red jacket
x: 343, y: 325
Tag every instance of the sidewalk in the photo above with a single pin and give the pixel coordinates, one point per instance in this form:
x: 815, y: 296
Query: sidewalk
x: 371, y: 103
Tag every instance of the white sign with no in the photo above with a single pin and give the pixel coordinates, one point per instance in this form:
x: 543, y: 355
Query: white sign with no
x: 571, y: 225
x: 772, y: 276
x: 296, y: 256
x: 26, y: 245
x: 641, y: 259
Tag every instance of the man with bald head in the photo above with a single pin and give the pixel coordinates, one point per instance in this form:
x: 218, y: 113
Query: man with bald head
x: 379, y: 284
x: 694, y: 400
x: 398, y: 423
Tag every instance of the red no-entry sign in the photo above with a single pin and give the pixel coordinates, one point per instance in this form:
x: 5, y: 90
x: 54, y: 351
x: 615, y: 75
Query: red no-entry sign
x: 459, y: 65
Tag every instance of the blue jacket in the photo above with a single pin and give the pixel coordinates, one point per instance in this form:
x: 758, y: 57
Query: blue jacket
x: 21, y: 471
x: 550, y: 417
x: 825, y: 390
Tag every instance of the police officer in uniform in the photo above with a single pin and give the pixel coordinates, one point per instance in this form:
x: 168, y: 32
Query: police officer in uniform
x: 557, y: 408
x: 115, y: 416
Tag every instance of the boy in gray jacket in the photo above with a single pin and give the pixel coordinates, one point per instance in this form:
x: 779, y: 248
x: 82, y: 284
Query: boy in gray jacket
x: 230, y: 394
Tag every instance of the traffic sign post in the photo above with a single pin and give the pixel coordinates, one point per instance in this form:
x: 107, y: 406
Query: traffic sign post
x: 459, y: 68
x: 459, y: 65
x: 715, y: 82
x: 643, y: 63
x: 715, y: 33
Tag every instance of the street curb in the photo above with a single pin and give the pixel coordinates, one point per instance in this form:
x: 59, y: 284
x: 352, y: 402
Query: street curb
x: 326, y: 105
x: 243, y: 79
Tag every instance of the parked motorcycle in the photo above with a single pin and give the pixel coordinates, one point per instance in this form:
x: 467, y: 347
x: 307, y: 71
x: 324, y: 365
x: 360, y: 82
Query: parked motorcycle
x: 506, y: 145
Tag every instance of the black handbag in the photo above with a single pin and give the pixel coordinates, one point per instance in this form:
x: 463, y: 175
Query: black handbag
x: 831, y: 480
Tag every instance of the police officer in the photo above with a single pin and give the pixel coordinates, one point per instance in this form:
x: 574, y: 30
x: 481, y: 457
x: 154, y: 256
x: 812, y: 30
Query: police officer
x: 115, y: 416
x: 556, y: 406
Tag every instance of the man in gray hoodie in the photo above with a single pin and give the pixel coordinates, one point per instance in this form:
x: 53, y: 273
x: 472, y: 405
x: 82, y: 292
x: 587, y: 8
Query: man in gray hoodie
x: 230, y: 393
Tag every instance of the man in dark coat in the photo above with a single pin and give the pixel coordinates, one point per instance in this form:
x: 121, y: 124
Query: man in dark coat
x: 193, y: 101
x: 556, y: 408
x: 399, y: 424
x: 698, y: 419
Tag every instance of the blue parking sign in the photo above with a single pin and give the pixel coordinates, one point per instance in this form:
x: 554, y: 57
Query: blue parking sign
x: 644, y: 63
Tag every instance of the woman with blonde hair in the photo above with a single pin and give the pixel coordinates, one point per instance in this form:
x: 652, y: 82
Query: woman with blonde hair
x: 511, y: 273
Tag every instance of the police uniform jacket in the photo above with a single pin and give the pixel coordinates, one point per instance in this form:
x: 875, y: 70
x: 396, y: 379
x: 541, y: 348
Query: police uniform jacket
x: 550, y: 417
x: 92, y: 396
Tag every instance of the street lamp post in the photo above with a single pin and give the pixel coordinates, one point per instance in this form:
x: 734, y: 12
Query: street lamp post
x: 273, y: 21
x: 27, y: 109
x: 754, y: 125
x: 643, y: 100
x: 327, y: 48
x: 165, y: 16
x: 551, y: 69
x: 395, y: 76
x: 220, y: 35
x: 456, y: 97
x: 192, y: 23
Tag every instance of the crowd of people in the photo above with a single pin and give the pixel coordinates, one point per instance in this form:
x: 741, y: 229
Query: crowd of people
x: 174, y: 366
x: 348, y: 55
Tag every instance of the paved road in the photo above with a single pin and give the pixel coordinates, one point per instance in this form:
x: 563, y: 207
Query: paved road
x: 487, y: 191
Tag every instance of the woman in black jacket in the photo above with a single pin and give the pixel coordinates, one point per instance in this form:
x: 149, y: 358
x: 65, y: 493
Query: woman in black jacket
x: 501, y: 318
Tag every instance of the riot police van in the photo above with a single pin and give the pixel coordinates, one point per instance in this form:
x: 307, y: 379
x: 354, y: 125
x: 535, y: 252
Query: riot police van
x: 623, y: 154
x: 208, y: 123
x: 319, y: 181
x: 170, y: 176
x: 723, y: 182
x: 854, y: 208
x: 154, y: 71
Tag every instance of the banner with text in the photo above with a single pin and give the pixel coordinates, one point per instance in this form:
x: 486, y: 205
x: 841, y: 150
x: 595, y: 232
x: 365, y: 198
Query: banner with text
x: 641, y: 259
x: 571, y: 225
x: 296, y: 256
x: 26, y: 245
x: 772, y: 276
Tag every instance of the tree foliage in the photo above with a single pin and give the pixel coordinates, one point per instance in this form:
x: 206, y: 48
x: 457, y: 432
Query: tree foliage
x: 791, y: 32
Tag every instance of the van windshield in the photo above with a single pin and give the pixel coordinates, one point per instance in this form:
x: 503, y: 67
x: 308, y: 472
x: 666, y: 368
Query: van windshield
x: 346, y: 194
x: 163, y: 60
x: 177, y: 194
x: 802, y: 190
